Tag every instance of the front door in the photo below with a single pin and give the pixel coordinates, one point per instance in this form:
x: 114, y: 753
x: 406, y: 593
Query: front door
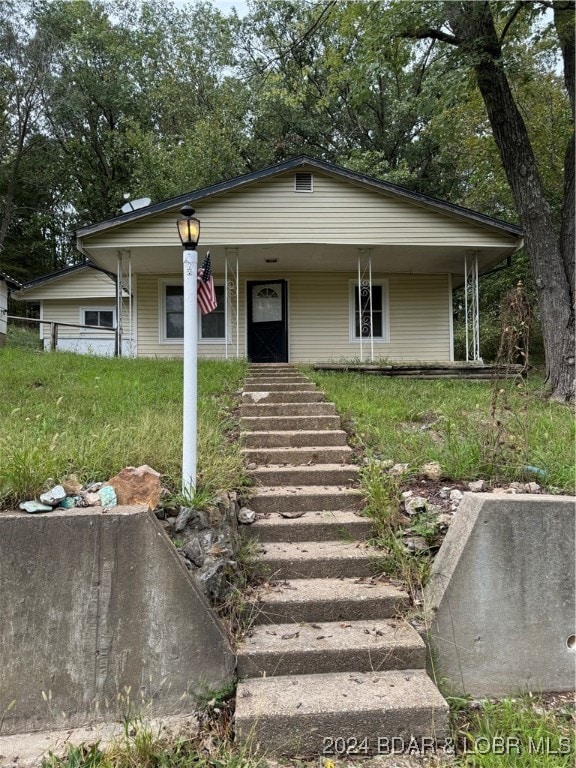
x: 267, y: 321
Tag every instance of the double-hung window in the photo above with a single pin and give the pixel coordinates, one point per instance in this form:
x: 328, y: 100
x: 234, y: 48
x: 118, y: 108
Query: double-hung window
x: 369, y: 311
x: 211, y: 327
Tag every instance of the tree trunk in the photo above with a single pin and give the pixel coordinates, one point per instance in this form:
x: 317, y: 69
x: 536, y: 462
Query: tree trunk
x: 552, y: 265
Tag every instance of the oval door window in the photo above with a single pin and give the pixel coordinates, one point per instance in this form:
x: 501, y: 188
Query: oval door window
x: 266, y: 303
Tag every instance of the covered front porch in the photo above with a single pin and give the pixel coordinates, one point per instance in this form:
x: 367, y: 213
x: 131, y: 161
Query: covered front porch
x: 311, y: 263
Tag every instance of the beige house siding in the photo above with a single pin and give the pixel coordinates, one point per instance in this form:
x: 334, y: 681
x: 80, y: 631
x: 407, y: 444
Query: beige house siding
x: 71, y: 311
x: 86, y: 284
x: 335, y: 212
x: 319, y: 318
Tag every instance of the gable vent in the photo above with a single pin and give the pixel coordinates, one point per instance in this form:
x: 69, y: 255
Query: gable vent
x: 303, y: 182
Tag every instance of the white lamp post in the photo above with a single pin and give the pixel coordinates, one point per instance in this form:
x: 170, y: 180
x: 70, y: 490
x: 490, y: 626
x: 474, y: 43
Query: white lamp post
x: 189, y: 231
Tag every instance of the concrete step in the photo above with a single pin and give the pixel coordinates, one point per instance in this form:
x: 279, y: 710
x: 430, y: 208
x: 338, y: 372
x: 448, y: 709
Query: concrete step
x: 290, y: 423
x: 339, y: 454
x: 317, y: 560
x: 317, y: 474
x: 294, y: 438
x: 312, y: 526
x: 266, y: 500
x: 315, y: 714
x: 313, y: 600
x: 350, y: 646
x: 291, y: 396
x: 273, y: 378
x: 261, y: 386
x: 266, y: 410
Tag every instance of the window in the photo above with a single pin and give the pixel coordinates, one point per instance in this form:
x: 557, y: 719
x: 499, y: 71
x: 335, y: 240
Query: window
x: 102, y: 317
x: 211, y: 327
x: 360, y: 311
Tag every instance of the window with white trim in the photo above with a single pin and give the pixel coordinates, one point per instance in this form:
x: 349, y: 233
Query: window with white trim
x: 360, y: 310
x: 211, y: 327
x: 98, y: 316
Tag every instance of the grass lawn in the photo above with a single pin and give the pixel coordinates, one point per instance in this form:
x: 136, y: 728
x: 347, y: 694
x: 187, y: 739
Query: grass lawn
x: 453, y: 422
x: 63, y: 413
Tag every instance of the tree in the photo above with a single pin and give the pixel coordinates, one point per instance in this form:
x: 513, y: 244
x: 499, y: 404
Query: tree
x: 478, y: 30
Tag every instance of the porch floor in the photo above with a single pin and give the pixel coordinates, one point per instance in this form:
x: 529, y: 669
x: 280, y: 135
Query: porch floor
x: 417, y: 370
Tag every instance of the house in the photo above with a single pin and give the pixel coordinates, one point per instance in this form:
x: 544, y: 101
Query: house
x: 82, y: 302
x: 7, y: 284
x: 311, y: 263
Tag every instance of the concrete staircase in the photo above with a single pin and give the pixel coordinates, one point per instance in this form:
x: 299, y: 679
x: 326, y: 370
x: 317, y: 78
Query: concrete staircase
x: 328, y: 663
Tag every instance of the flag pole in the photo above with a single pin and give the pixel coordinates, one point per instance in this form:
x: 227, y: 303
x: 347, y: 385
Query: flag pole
x: 190, y: 394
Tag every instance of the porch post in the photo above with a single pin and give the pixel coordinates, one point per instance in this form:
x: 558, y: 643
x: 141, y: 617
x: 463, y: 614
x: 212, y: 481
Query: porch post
x: 371, y: 315
x: 118, y: 335
x: 472, y: 306
x: 359, y: 311
x: 226, y: 304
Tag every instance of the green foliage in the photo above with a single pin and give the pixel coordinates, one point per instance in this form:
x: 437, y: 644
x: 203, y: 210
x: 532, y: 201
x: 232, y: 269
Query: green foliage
x: 64, y: 413
x: 448, y: 421
x: 517, y: 733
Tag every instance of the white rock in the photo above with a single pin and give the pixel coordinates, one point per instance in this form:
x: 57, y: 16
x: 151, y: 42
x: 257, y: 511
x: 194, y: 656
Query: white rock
x: 533, y: 488
x: 477, y: 486
x: 417, y: 504
x: 456, y: 496
x: 246, y: 516
x: 54, y: 496
x: 432, y: 470
x: 398, y: 469
x: 407, y: 494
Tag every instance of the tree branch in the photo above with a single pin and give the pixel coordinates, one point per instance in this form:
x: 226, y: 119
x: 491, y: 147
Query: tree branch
x: 517, y: 8
x: 434, y: 34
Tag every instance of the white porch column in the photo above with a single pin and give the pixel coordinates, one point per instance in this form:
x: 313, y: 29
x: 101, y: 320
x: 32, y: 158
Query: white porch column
x: 472, y: 306
x: 232, y: 296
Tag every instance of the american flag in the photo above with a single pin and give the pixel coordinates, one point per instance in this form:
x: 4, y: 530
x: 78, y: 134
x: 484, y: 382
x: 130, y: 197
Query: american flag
x: 206, y: 295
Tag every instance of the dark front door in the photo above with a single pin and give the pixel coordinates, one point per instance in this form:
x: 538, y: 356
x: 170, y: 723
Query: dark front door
x: 267, y: 321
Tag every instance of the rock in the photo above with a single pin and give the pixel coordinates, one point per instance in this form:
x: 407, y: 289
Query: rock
x: 183, y: 517
x: 193, y: 551
x: 432, y: 470
x: 406, y: 494
x: 415, y: 544
x: 54, y: 496
x: 35, y: 506
x: 519, y: 487
x: 415, y: 505
x: 212, y: 578
x: 216, y: 517
x: 251, y: 466
x: 477, y: 486
x: 246, y: 516
x: 445, y: 520
x: 533, y: 488
x: 137, y: 485
x: 398, y: 469
x: 71, y: 485
x: 445, y: 492
x: 456, y: 496
x: 70, y: 502
x: 292, y: 515
x: 90, y: 500
x: 107, y: 496
x: 93, y: 487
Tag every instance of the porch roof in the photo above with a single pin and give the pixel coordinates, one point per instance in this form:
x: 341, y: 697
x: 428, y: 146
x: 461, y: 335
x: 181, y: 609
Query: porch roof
x: 273, y: 232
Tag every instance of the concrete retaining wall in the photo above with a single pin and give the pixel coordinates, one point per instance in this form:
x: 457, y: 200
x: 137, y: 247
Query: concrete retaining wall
x: 501, y: 598
x: 98, y: 616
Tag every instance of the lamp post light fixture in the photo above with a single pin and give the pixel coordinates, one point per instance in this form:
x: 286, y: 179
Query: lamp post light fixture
x: 189, y: 231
